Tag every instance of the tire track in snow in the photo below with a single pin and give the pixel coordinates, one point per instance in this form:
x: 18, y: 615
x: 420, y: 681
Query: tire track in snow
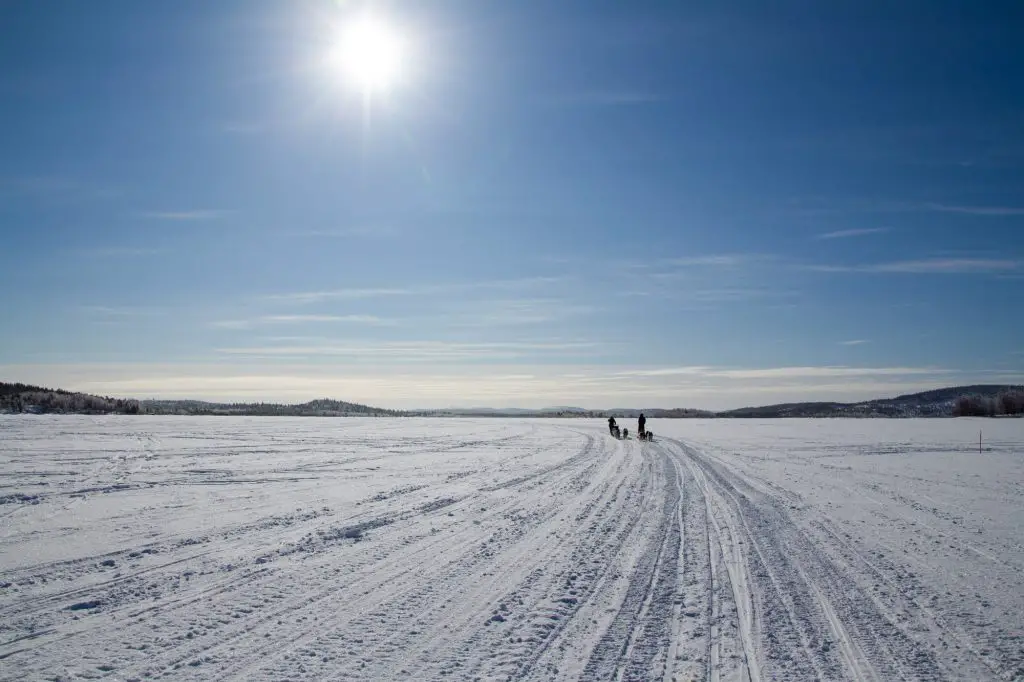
x: 650, y: 640
x: 569, y: 556
x: 242, y: 599
x: 420, y: 592
x: 638, y: 632
x: 728, y: 613
x: 857, y: 558
x: 814, y: 620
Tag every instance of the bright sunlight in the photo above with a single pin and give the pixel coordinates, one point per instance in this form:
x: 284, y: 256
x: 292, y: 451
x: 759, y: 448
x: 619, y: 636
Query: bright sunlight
x: 369, y: 54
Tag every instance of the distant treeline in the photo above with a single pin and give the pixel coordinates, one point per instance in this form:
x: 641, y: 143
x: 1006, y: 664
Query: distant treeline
x: 956, y: 401
x: 27, y: 398
x: 1008, y: 403
x: 941, y: 402
x: 314, y: 408
x: 18, y: 398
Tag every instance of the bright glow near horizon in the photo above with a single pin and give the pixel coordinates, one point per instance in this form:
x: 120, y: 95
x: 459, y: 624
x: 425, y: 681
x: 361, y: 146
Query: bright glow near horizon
x: 370, y: 54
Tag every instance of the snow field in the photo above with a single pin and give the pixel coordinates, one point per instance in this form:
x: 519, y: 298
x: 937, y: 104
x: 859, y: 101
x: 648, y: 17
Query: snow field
x: 508, y: 549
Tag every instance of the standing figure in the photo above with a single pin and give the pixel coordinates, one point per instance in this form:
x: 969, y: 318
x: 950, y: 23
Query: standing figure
x: 611, y: 425
x: 641, y: 423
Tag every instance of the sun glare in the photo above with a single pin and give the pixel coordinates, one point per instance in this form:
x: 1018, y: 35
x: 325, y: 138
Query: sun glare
x: 369, y: 54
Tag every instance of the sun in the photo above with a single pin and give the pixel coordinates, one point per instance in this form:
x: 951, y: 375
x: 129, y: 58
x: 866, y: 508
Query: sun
x: 369, y: 54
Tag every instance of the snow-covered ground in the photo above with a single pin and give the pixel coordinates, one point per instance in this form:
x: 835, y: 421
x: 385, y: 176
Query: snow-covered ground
x: 505, y: 549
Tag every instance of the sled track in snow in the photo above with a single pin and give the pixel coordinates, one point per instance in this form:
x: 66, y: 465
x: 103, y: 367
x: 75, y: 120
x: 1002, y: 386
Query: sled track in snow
x: 813, y: 622
x: 640, y: 629
x: 555, y: 553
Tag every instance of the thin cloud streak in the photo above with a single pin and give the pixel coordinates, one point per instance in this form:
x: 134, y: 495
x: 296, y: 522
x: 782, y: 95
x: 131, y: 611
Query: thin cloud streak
x: 194, y: 215
x: 517, y: 312
x: 417, y: 350
x: 713, y: 260
x: 302, y: 319
x: 709, y: 280
x: 725, y: 260
x: 420, y: 290
x: 346, y: 232
x: 935, y: 266
x: 120, y: 252
x: 243, y: 127
x: 118, y: 311
x: 786, y: 372
x: 831, y: 208
x: 845, y: 234
x: 979, y: 210
x: 343, y: 294
x: 854, y: 342
x: 666, y: 372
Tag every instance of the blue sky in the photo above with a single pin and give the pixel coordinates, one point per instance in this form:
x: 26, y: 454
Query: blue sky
x: 600, y: 203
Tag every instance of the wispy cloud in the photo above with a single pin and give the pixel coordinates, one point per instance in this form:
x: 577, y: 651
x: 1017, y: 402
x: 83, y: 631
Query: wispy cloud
x: 413, y: 351
x: 723, y: 260
x: 708, y: 279
x: 302, y: 319
x: 710, y: 297
x: 845, y: 234
x: 343, y: 294
x: 120, y: 252
x: 817, y: 207
x: 933, y: 266
x: 416, y: 290
x: 243, y: 127
x: 854, y: 342
x: 290, y: 319
x: 190, y: 215
x: 814, y: 372
x: 113, y: 312
x: 665, y: 372
x: 787, y: 373
x: 978, y: 210
x: 687, y: 266
x: 516, y: 312
x: 733, y: 294
x: 510, y: 284
x: 347, y: 232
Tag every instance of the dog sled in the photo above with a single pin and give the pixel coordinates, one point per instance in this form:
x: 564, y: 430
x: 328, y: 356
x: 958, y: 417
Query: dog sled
x: 623, y: 434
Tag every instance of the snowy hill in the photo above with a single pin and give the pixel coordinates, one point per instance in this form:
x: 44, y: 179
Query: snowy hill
x: 315, y: 408
x: 18, y: 398
x: 935, y: 403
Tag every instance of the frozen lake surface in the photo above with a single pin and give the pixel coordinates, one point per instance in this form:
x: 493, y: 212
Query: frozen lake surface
x: 506, y: 549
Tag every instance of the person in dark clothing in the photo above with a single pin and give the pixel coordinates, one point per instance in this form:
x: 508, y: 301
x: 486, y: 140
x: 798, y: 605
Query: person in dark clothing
x: 612, y: 428
x: 641, y: 423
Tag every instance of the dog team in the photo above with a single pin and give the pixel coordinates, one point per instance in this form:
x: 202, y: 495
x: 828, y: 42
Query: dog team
x: 642, y: 432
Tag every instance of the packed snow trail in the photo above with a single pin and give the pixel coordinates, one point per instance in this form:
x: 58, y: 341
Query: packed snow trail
x: 522, y: 550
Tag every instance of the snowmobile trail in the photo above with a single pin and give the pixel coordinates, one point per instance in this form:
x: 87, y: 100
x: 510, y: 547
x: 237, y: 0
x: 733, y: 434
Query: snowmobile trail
x: 490, y: 549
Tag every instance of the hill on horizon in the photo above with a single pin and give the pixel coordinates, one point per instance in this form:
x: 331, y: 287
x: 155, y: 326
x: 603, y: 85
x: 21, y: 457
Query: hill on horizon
x: 932, y: 403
